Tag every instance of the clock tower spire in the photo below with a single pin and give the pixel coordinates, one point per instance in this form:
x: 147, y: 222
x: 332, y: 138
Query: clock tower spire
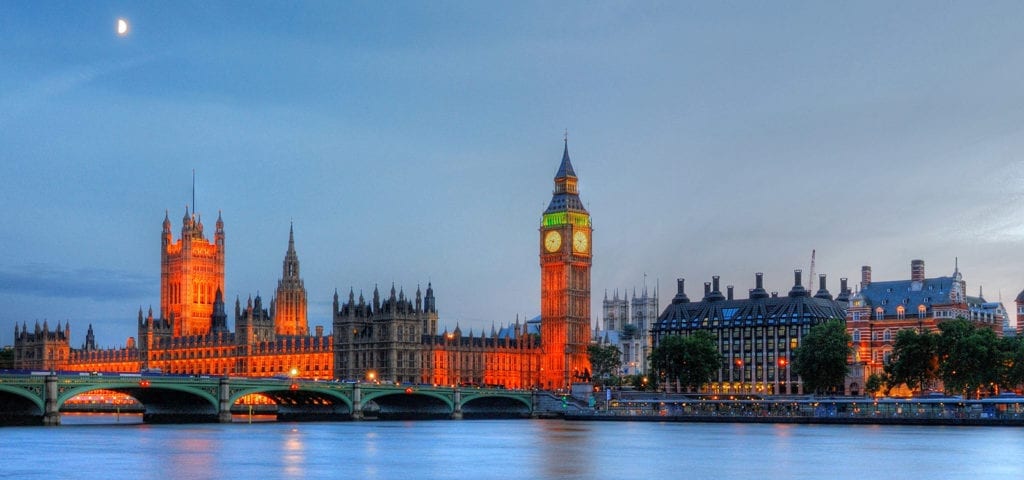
x: 565, y: 259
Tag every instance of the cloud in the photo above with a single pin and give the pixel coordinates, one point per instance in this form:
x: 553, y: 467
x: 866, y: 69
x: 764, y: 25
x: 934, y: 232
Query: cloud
x: 93, y: 283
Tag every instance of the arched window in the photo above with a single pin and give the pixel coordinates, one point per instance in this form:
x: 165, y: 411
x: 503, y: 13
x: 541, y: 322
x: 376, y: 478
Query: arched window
x: 879, y: 312
x: 900, y: 312
x: 856, y: 335
x: 887, y: 335
x: 921, y: 310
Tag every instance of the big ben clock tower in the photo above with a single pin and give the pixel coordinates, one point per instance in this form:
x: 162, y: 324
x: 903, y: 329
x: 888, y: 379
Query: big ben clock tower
x: 565, y: 257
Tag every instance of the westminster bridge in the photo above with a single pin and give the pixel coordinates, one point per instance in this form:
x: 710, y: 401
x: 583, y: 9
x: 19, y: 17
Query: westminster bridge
x: 37, y: 398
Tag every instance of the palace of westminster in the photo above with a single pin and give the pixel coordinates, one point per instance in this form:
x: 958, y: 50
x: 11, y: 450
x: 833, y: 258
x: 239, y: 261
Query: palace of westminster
x: 394, y: 337
x: 390, y: 337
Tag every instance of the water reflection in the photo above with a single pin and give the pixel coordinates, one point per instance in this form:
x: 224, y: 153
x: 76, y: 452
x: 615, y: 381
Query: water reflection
x: 538, y: 449
x: 294, y: 455
x: 565, y: 452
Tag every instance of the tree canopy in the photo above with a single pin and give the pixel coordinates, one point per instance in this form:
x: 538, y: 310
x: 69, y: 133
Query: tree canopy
x: 914, y: 361
x: 605, y: 360
x: 970, y: 357
x: 692, y: 361
x: 820, y: 360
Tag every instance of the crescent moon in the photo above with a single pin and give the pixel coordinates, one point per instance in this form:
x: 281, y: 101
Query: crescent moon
x: 122, y: 27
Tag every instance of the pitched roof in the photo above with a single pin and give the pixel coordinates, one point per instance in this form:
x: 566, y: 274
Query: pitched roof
x: 798, y: 310
x: 908, y: 293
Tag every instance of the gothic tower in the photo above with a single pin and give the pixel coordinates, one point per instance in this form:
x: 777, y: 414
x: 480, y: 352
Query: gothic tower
x: 565, y: 258
x: 191, y: 274
x: 290, y: 306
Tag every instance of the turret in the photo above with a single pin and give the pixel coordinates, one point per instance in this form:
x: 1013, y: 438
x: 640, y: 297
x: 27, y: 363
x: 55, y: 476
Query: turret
x: 219, y: 319
x: 428, y: 302
x: 680, y: 292
x: 716, y: 293
x: 798, y: 290
x: 844, y: 291
x: 758, y: 291
x: 822, y: 291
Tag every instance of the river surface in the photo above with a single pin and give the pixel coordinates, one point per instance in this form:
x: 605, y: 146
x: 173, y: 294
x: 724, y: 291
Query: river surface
x: 513, y: 449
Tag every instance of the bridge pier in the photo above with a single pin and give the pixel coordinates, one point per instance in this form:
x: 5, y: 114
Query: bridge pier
x: 357, y: 402
x: 457, y: 403
x: 51, y: 414
x: 224, y: 402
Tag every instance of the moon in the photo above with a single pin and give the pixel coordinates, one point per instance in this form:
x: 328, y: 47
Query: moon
x: 122, y: 27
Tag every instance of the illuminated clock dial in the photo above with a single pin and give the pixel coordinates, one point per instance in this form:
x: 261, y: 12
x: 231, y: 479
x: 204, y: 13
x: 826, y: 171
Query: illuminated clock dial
x: 580, y: 242
x: 552, y: 241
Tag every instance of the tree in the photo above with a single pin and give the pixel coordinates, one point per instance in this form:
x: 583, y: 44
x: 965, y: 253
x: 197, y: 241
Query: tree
x: 914, y: 360
x: 605, y: 360
x: 820, y: 360
x: 629, y: 331
x: 876, y: 383
x: 970, y: 357
x: 6, y: 358
x: 692, y: 361
x: 1011, y: 369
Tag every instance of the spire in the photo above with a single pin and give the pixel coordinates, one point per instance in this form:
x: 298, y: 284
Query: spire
x: 565, y: 169
x: 566, y: 195
x: 291, y: 237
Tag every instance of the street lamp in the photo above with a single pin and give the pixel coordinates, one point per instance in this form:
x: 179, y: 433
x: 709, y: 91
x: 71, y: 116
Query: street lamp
x: 781, y: 374
x: 739, y: 367
x: 371, y: 376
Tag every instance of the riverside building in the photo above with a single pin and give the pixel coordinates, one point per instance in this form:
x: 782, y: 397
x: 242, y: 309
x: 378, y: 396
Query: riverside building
x: 757, y: 335
x: 880, y: 310
x: 391, y: 338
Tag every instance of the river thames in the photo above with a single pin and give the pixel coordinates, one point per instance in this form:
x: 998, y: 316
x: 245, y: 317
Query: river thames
x: 82, y: 448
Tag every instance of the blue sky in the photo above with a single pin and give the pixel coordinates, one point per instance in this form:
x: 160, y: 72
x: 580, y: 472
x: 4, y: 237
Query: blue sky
x: 416, y: 141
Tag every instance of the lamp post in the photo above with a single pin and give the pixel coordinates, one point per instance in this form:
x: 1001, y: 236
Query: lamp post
x: 739, y: 368
x: 783, y: 363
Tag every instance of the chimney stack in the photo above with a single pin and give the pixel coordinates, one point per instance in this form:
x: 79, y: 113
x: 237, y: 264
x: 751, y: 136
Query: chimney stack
x: 759, y: 282
x: 728, y: 288
x: 917, y: 270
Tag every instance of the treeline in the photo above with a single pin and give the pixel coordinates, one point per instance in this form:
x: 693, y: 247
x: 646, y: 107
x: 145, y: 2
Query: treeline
x: 964, y: 359
x: 967, y: 360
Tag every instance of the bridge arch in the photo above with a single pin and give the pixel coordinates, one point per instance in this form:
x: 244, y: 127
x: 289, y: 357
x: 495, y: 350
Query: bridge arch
x: 18, y: 404
x: 495, y: 405
x: 408, y: 403
x: 163, y: 401
x: 304, y: 402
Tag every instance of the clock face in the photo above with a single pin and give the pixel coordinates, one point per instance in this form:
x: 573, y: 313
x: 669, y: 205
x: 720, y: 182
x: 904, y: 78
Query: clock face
x: 580, y: 242
x: 552, y: 241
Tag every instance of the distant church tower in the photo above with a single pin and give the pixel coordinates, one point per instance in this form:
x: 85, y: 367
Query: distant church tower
x: 191, y: 274
x: 290, y: 301
x: 565, y: 258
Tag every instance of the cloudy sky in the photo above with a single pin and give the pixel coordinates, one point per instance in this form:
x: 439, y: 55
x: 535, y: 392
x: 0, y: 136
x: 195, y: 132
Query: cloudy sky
x: 416, y: 141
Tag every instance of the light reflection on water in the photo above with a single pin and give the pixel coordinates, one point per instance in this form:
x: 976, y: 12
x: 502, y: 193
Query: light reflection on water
x: 506, y: 449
